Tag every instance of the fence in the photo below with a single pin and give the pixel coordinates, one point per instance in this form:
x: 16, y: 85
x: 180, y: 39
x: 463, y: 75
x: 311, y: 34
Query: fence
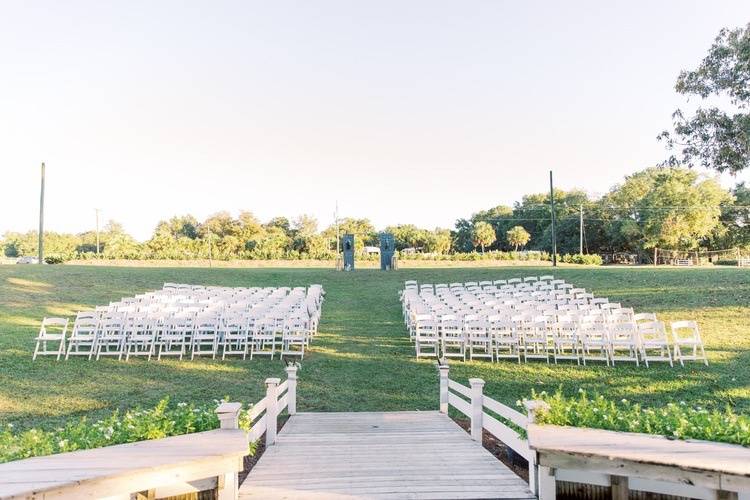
x: 474, y: 404
x: 627, y: 465
x: 265, y: 413
x: 158, y: 468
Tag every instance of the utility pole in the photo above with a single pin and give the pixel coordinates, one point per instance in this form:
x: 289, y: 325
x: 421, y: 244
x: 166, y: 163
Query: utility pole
x: 97, y: 231
x: 336, y: 218
x: 580, y: 238
x: 552, y: 210
x: 210, y: 263
x: 40, y: 255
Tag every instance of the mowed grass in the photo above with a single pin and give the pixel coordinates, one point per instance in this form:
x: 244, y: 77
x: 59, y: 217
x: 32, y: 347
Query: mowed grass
x: 362, y: 358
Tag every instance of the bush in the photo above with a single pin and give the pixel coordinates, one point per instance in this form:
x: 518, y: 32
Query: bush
x: 585, y: 259
x: 474, y: 256
x: 726, y: 262
x: 158, y: 422
x: 675, y: 421
x: 54, y: 259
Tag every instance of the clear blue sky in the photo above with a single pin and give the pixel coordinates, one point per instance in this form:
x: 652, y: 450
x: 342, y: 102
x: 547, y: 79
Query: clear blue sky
x: 403, y: 111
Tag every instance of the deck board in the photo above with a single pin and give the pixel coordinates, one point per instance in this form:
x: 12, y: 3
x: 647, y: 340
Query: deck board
x: 378, y: 455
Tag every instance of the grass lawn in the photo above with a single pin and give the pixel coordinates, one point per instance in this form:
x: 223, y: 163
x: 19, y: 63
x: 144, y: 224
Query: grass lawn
x: 362, y: 359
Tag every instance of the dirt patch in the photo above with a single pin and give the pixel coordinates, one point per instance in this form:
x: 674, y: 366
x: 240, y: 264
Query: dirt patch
x: 507, y: 456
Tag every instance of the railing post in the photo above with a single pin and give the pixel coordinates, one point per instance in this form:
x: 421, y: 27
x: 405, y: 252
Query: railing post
x: 443, y: 388
x: 477, y: 405
x: 229, y: 415
x: 541, y: 479
x: 291, y: 392
x: 229, y: 418
x: 272, y: 409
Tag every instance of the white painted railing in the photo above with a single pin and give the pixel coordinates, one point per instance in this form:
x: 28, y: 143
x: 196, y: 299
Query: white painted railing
x: 627, y: 462
x: 472, y: 402
x: 156, y: 468
x: 619, y: 460
x: 265, y: 413
x: 146, y: 469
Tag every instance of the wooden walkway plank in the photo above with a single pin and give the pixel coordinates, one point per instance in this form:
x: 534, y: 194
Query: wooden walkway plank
x: 378, y: 455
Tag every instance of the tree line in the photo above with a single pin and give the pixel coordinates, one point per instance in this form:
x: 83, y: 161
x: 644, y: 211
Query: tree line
x: 664, y: 207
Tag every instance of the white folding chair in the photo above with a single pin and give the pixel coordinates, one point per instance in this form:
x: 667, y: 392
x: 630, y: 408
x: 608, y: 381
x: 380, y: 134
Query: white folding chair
x: 478, y: 338
x: 505, y: 338
x: 623, y: 342
x: 427, y: 339
x: 234, y: 335
x: 111, y: 337
x: 173, y: 335
x: 52, y: 330
x: 595, y: 345
x: 140, y: 337
x: 263, y: 338
x: 565, y: 340
x: 205, y: 339
x: 453, y: 337
x: 534, y: 338
x: 294, y: 337
x: 685, y: 335
x: 83, y: 335
x: 653, y: 342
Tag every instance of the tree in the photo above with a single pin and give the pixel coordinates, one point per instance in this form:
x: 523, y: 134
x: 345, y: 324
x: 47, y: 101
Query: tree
x: 735, y: 218
x: 362, y: 229
x: 440, y: 241
x: 673, y: 208
x: 518, y: 237
x: 715, y: 138
x: 304, y: 231
x: 484, y: 234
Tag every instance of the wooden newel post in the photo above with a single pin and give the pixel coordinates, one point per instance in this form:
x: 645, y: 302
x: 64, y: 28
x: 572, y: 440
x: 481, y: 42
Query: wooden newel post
x: 229, y: 418
x: 229, y: 415
x: 443, y: 388
x: 272, y: 409
x: 541, y: 479
x: 291, y: 393
x: 477, y: 405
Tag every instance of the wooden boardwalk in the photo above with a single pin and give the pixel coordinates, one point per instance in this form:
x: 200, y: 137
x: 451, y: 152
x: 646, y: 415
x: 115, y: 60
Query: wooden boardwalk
x: 379, y: 455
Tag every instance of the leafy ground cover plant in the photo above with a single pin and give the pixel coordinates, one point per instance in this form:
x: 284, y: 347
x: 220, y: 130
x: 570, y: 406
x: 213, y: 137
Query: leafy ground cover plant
x: 674, y: 420
x: 163, y: 420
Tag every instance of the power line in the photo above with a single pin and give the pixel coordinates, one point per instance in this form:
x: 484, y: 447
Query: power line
x: 639, y: 207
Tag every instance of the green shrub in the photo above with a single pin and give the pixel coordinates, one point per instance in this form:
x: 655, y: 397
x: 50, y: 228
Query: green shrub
x: 675, y: 421
x: 726, y: 262
x: 585, y: 259
x: 54, y: 259
x: 474, y: 256
x: 163, y: 420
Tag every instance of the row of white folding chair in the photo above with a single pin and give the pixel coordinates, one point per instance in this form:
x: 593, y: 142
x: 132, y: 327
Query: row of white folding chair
x: 140, y: 334
x: 632, y: 338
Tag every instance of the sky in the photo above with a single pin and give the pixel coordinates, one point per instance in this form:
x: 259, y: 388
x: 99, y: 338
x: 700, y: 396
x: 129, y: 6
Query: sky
x: 401, y: 111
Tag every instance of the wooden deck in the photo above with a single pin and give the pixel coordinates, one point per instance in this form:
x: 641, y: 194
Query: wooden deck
x: 379, y: 455
x: 117, y: 471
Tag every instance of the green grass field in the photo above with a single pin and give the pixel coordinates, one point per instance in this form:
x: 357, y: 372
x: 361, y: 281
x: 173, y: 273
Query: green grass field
x: 362, y: 358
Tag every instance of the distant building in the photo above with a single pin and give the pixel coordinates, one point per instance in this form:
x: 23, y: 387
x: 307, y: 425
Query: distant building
x: 372, y: 250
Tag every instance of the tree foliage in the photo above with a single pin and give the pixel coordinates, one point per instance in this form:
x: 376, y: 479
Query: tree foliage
x: 669, y: 208
x: 713, y: 137
x: 484, y: 235
x: 517, y: 236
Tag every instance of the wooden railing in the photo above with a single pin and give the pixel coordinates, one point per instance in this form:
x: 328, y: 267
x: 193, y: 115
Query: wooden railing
x: 626, y: 462
x: 472, y: 402
x: 157, y: 468
x: 265, y: 413
x: 622, y: 461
